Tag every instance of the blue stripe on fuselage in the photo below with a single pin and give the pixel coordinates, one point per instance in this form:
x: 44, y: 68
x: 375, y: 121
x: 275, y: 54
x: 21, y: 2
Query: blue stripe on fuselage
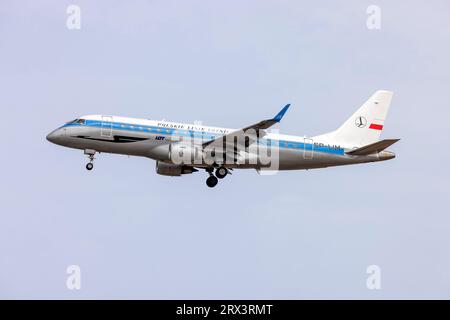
x: 204, y: 135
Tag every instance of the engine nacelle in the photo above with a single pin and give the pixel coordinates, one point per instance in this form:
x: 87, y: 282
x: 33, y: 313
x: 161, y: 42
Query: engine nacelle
x: 185, y: 154
x: 174, y: 170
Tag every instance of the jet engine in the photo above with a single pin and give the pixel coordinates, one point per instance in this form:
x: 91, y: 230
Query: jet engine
x: 185, y: 154
x: 174, y: 170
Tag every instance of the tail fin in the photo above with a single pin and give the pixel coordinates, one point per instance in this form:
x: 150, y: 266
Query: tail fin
x: 365, y: 125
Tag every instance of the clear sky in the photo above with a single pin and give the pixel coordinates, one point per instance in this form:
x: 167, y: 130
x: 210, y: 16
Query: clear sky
x: 304, y: 234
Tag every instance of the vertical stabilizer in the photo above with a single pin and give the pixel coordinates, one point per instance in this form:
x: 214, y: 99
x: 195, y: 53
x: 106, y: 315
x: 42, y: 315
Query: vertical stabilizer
x: 365, y: 125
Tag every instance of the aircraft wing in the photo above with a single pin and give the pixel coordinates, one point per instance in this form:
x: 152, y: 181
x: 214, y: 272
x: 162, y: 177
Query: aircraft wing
x: 252, y: 133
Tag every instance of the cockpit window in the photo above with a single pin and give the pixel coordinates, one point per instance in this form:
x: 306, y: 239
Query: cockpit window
x: 80, y: 121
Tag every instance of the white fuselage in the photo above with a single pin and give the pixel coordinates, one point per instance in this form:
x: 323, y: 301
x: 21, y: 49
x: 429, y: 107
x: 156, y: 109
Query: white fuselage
x: 154, y: 139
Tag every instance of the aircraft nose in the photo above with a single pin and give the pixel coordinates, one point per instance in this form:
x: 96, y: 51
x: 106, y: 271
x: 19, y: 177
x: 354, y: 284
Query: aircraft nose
x: 53, y: 136
x: 50, y: 137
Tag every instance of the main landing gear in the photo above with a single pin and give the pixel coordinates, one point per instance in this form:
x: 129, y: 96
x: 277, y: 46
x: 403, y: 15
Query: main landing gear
x: 90, y: 154
x: 211, y: 181
x: 221, y: 172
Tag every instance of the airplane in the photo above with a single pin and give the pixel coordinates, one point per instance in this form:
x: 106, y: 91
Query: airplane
x: 181, y: 148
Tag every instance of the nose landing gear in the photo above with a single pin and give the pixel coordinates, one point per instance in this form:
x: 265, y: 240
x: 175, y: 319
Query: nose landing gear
x: 90, y: 154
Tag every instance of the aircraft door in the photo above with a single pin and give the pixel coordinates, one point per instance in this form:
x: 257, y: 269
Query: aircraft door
x: 308, y: 148
x: 106, y: 129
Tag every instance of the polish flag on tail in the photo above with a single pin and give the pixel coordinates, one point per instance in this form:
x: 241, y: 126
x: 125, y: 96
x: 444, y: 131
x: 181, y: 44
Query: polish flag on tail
x: 376, y: 125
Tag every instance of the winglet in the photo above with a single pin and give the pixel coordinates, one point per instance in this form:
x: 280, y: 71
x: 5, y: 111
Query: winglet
x: 280, y: 114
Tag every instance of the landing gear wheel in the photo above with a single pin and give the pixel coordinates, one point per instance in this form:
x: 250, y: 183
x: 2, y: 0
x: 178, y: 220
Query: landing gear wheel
x: 211, y: 181
x: 221, y: 172
x: 90, y: 153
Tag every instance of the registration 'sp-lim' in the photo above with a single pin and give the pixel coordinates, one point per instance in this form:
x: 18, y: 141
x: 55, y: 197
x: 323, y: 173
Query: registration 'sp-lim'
x: 180, y: 148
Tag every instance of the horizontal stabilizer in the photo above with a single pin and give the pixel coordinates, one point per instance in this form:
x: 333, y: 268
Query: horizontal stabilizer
x: 372, y: 148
